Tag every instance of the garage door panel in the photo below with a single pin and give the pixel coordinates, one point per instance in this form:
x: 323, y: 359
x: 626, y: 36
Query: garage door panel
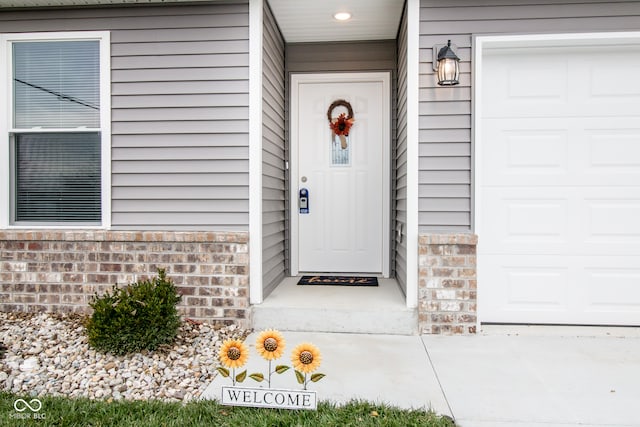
x: 610, y: 224
x: 550, y: 152
x: 519, y: 292
x: 611, y: 285
x: 561, y: 220
x: 613, y: 154
x: 517, y: 150
x: 526, y: 221
x: 608, y: 288
x: 522, y: 83
x: 538, y: 288
x: 560, y: 290
x: 595, y: 89
x: 558, y: 185
x: 562, y: 81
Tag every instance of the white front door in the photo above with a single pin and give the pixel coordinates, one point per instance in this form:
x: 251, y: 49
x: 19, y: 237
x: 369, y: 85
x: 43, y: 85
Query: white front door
x: 346, y: 228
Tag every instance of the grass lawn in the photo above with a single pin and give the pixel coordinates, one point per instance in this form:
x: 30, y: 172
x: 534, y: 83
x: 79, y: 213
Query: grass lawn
x: 58, y: 411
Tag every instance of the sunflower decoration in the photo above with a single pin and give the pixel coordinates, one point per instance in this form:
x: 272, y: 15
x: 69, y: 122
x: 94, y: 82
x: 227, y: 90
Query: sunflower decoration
x: 233, y: 354
x: 306, y: 358
x: 341, y: 126
x: 270, y: 345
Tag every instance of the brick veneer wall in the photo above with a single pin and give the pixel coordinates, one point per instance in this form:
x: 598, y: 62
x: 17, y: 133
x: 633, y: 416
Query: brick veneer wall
x: 447, y: 298
x: 59, y: 271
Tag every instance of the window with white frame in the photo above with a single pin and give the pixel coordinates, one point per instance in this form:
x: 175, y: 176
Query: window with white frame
x: 57, y: 133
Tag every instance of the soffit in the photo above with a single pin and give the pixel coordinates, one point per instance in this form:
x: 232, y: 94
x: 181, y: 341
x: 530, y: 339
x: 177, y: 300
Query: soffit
x: 299, y: 20
x: 66, y: 3
x: 312, y: 21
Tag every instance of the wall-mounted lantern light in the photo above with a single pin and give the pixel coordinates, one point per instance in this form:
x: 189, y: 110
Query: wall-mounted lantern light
x: 447, y: 64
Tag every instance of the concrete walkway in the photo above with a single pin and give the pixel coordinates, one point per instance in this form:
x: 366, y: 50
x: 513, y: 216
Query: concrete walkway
x: 537, y: 378
x: 540, y: 380
x: 394, y: 369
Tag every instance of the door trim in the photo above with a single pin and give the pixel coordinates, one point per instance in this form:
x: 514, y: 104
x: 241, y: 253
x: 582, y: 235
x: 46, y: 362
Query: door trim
x: 296, y: 81
x: 256, y: 290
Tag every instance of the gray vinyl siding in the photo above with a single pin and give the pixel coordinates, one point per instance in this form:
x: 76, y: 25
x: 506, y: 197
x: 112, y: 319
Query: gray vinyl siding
x: 273, y: 156
x: 341, y: 56
x: 400, y: 161
x: 445, y: 164
x: 180, y: 96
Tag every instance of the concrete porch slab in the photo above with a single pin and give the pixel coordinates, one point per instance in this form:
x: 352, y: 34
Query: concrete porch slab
x: 366, y: 310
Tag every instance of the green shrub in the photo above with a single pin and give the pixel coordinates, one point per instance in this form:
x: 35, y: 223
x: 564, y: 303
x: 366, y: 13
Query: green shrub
x: 137, y: 317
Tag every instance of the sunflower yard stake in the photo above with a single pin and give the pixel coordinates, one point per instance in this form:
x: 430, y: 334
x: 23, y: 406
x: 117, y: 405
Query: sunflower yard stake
x: 306, y: 359
x: 233, y: 354
x: 270, y: 345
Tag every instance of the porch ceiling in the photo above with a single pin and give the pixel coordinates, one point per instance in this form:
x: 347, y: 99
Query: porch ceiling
x: 312, y: 21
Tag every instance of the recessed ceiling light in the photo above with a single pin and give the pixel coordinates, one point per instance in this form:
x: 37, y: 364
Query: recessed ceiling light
x: 342, y: 16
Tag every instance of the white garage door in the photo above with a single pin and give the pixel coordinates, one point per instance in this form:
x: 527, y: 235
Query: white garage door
x: 558, y: 191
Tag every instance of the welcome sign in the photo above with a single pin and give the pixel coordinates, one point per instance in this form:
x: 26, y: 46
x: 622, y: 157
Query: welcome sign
x: 269, y: 398
x: 270, y: 345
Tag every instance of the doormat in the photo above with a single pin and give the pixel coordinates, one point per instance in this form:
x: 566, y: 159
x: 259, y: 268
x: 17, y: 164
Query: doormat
x: 338, y: 280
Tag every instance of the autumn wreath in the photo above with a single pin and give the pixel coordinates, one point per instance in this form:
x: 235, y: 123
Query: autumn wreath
x: 341, y: 125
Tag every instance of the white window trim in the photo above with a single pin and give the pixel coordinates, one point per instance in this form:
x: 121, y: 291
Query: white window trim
x: 105, y: 122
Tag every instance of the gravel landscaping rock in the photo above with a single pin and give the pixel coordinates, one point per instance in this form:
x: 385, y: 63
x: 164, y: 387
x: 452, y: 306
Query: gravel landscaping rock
x: 49, y: 354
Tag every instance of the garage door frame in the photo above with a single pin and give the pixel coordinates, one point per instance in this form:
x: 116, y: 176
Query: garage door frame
x: 482, y: 44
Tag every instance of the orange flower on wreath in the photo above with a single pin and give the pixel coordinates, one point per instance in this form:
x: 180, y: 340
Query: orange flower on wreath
x: 341, y: 125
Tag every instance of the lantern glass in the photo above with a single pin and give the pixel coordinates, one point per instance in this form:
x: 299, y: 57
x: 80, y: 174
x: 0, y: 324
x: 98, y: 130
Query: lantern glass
x: 448, y: 72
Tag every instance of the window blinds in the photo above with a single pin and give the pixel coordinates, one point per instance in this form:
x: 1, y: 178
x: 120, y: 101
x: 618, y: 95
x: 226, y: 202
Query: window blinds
x: 58, y: 177
x: 56, y: 84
